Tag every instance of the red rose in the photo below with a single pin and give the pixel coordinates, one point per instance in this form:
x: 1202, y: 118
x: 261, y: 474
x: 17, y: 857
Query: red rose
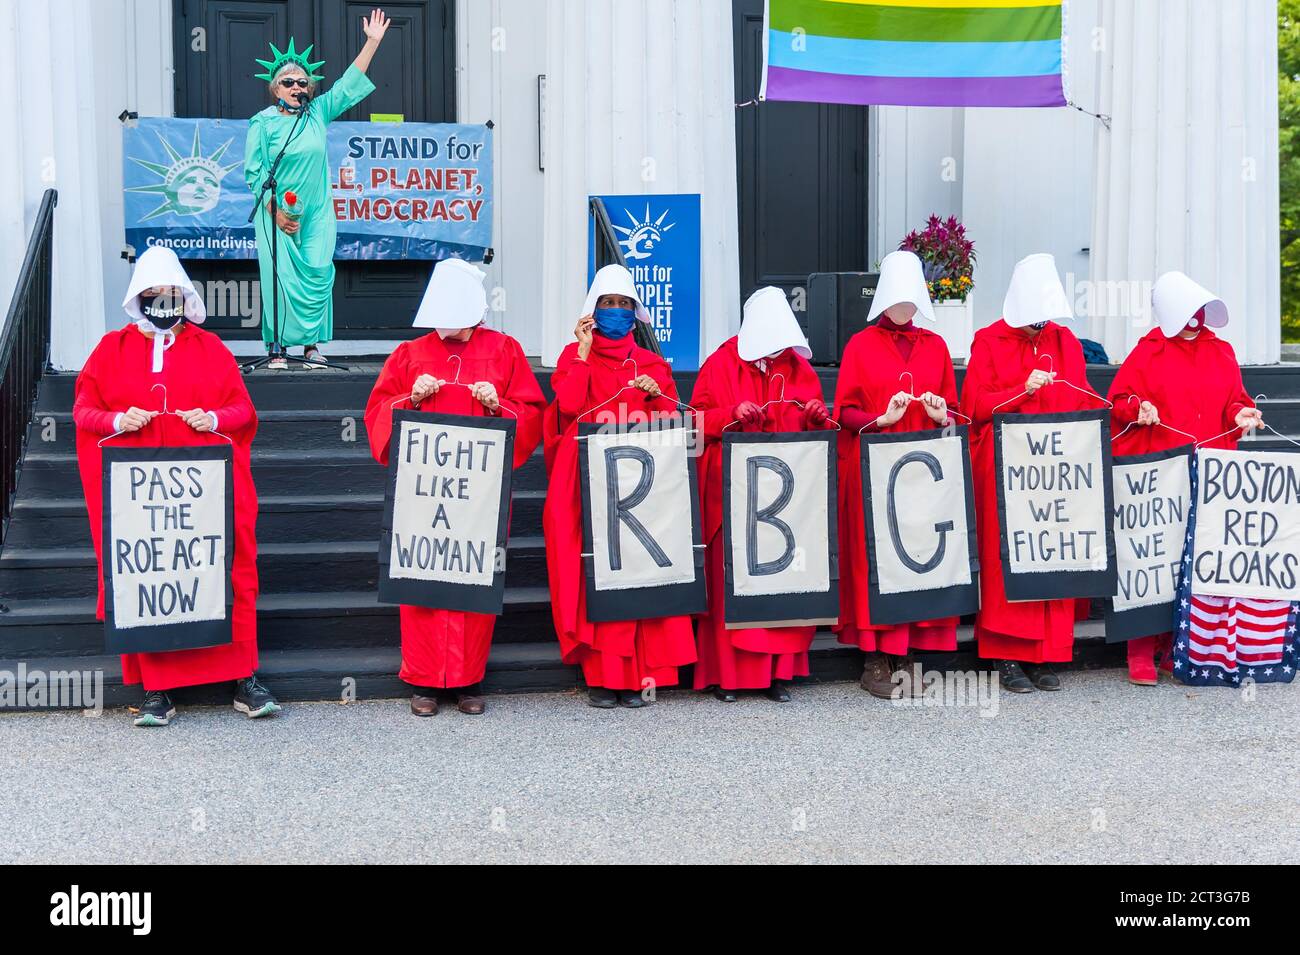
x: 291, y: 197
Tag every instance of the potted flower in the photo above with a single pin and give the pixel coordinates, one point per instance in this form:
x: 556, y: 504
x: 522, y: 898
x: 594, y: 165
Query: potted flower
x: 948, y: 259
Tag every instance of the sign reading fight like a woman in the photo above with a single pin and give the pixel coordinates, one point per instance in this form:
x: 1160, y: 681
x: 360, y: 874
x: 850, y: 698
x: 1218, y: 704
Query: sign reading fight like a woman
x: 1054, y: 504
x: 922, y: 559
x: 168, y: 546
x: 1247, y: 540
x: 447, y: 511
x: 1152, y: 500
x: 780, y: 550
x: 642, y: 540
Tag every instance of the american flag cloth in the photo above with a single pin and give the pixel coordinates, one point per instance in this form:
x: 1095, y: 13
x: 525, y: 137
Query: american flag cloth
x: 1221, y: 641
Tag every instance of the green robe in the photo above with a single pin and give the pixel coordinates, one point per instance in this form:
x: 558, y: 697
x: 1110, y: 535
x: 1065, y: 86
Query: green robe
x: 307, y: 258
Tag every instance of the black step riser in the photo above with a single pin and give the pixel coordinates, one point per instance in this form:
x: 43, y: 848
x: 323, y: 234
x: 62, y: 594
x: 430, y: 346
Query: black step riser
x: 277, y: 573
x: 379, y: 629
x: 59, y: 478
x: 30, y: 529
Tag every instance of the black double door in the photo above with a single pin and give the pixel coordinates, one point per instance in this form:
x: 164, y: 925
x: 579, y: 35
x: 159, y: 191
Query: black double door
x: 802, y: 176
x: 216, y: 43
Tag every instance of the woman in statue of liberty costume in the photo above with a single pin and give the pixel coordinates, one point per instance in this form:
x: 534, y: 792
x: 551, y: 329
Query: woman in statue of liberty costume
x: 307, y: 224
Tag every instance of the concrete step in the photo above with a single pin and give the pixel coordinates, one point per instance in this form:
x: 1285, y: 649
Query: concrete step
x: 62, y: 521
x: 370, y: 672
x: 342, y: 471
x: 297, y: 620
x: 28, y: 573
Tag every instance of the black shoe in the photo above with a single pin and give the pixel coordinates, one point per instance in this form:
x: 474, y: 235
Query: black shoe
x: 1013, y: 678
x: 156, y: 710
x: 253, y: 699
x: 778, y: 692
x: 632, y: 699
x: 724, y: 695
x: 1042, y: 676
x: 601, y: 698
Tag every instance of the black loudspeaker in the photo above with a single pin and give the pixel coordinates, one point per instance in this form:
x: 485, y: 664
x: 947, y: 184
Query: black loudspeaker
x: 838, y: 305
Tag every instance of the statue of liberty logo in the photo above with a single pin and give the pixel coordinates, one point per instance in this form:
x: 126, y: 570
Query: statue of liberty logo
x: 191, y: 185
x: 640, y: 240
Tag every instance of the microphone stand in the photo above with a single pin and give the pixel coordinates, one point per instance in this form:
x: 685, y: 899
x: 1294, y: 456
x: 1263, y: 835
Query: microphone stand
x: 270, y: 185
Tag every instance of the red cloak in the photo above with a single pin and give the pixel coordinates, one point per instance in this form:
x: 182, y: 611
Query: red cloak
x: 871, y: 373
x: 1196, y: 387
x: 449, y: 648
x: 750, y: 658
x: 620, y: 655
x: 198, y: 372
x: 1031, y: 631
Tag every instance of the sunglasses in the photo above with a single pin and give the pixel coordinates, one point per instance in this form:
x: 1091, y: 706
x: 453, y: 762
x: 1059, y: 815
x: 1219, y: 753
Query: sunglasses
x: 289, y: 83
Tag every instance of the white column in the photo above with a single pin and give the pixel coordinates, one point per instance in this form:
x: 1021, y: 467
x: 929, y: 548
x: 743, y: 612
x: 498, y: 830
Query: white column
x: 1187, y: 176
x: 640, y: 99
x: 69, y: 67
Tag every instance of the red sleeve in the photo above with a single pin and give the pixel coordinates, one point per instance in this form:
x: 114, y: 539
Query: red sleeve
x: 1238, y: 402
x: 393, y: 383
x: 713, y: 415
x: 1076, y: 369
x: 857, y: 420
x: 976, y: 398
x: 571, y: 382
x: 236, y: 413
x: 523, y: 396
x: 1126, y: 392
x: 88, y: 410
x: 948, y: 390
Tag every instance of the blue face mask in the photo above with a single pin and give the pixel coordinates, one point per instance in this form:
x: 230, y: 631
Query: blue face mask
x: 614, y: 322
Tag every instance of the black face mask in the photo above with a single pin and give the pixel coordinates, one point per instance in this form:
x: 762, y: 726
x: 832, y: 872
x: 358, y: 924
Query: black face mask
x: 164, y: 310
x: 1038, y: 325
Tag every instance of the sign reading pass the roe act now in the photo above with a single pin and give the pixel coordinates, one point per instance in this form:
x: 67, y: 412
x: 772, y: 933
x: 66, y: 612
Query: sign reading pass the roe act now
x: 168, y: 546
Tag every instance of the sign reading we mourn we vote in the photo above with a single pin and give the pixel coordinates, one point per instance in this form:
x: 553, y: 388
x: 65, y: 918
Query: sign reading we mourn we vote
x: 1247, y: 539
x: 168, y: 546
x: 780, y: 548
x: 1152, y: 499
x: 922, y: 559
x: 1054, y: 504
x: 447, y: 511
x: 642, y: 540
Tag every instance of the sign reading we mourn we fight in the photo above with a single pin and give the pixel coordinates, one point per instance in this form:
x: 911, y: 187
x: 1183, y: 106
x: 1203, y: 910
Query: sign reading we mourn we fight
x: 447, y: 511
x: 1054, y: 504
x: 1247, y: 539
x: 168, y: 546
x: 922, y: 558
x: 780, y: 547
x: 1153, y: 495
x: 642, y: 540
x: 398, y: 190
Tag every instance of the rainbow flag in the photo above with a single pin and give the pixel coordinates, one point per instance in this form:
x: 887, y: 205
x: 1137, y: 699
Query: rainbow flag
x: 914, y: 52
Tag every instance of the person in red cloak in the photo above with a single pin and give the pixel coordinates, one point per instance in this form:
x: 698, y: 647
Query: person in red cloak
x: 467, y: 369
x: 1180, y: 385
x: 757, y: 381
x: 622, y: 662
x: 884, y: 366
x: 162, y: 358
x: 1027, y: 364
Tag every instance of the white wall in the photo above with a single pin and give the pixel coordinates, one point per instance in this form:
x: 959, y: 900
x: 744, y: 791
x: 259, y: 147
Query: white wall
x: 68, y: 67
x: 1188, y: 173
x: 1021, y: 180
x: 500, y: 52
x: 640, y: 100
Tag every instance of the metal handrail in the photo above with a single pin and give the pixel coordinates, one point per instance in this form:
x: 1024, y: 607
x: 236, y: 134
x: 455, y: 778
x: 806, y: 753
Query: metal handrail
x: 25, y: 351
x: 609, y: 252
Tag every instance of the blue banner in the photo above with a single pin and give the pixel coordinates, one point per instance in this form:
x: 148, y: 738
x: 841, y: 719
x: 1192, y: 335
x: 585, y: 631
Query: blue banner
x: 401, y: 190
x: 660, y: 238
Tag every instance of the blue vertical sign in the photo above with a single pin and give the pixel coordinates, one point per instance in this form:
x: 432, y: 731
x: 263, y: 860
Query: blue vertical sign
x: 660, y: 237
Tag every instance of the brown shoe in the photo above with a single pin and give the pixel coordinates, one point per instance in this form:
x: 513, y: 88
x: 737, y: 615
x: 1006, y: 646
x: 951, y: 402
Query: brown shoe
x: 877, y: 677
x: 469, y: 704
x: 423, y: 705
